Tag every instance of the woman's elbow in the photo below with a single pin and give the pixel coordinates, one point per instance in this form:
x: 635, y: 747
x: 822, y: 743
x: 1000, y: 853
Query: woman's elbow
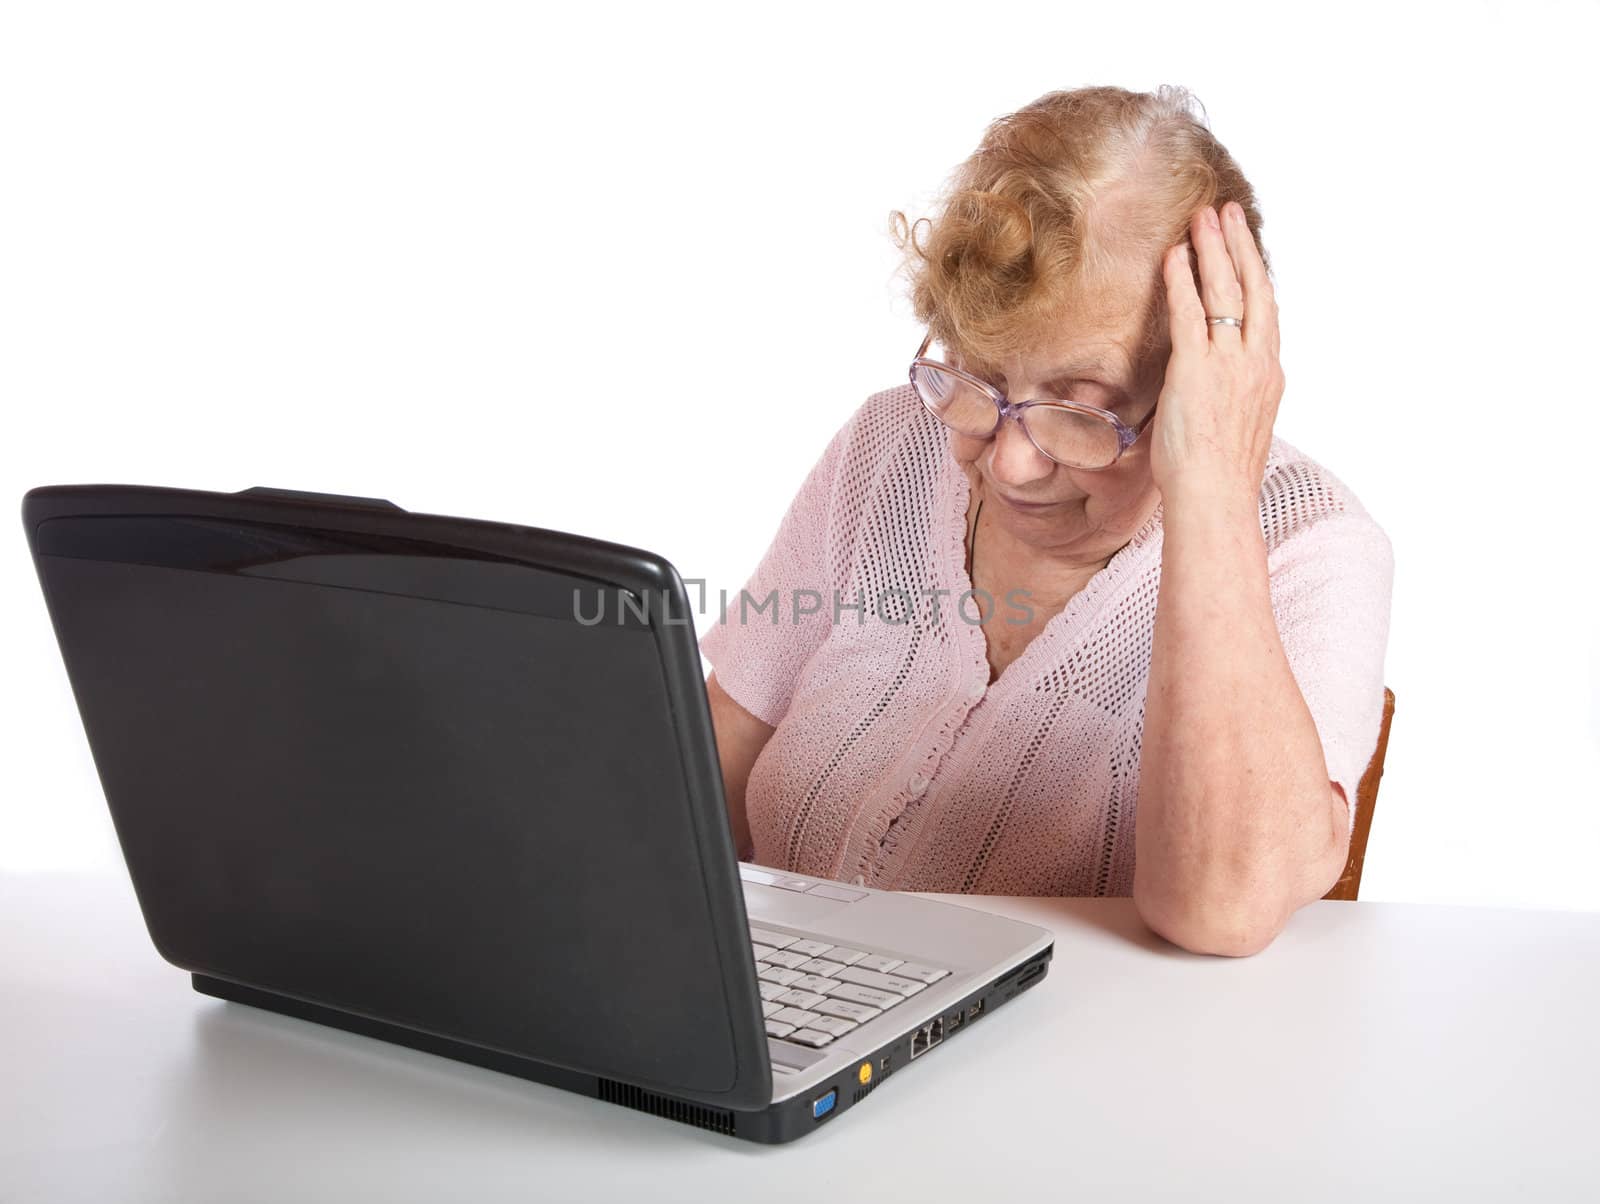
x: 1221, y: 927
x: 1238, y: 908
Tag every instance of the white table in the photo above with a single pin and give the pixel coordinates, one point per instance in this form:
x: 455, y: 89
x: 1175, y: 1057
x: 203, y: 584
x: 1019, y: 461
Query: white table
x: 1375, y: 1051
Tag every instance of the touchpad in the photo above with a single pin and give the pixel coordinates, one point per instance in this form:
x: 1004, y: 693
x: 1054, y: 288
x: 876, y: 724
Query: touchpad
x: 787, y: 906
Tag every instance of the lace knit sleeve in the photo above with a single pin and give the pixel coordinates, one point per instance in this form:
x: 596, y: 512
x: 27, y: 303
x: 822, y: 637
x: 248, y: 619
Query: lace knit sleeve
x: 1331, y: 583
x: 782, y: 615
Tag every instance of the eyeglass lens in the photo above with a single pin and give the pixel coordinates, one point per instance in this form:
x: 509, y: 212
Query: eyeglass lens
x: 1073, y: 438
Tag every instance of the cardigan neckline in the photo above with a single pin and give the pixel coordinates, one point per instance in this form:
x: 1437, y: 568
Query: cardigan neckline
x: 953, y: 496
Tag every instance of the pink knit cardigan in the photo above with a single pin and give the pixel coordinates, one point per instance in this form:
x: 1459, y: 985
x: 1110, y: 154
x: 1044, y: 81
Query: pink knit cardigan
x: 895, y: 763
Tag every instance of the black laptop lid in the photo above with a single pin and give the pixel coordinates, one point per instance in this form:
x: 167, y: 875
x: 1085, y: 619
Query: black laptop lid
x: 450, y: 774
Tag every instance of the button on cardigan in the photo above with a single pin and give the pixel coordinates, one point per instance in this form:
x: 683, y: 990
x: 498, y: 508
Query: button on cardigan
x: 896, y: 763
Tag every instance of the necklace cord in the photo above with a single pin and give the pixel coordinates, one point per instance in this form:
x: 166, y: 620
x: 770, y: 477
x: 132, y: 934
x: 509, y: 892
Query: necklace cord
x: 972, y: 550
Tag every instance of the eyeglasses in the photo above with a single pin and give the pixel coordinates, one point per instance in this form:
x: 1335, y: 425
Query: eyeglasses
x: 1068, y: 432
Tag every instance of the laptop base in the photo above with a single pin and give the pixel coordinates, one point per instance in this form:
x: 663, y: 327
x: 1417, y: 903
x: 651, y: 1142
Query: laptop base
x: 781, y: 1122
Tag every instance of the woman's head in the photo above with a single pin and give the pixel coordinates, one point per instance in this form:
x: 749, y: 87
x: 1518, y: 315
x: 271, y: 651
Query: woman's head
x: 1065, y: 208
x: 1043, y: 262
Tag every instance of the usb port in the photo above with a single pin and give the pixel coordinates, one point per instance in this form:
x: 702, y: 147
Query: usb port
x: 823, y: 1105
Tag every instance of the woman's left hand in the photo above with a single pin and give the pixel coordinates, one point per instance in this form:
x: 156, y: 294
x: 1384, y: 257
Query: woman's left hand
x: 1213, y: 423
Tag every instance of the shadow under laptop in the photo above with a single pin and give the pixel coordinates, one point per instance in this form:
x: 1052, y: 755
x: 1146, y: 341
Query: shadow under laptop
x: 257, y: 1078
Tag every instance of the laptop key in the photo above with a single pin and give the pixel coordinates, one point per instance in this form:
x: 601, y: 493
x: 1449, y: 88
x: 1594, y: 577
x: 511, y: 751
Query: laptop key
x: 883, y: 982
x: 799, y: 1017
x: 878, y: 962
x: 777, y: 940
x: 920, y: 972
x: 823, y: 967
x: 810, y: 1036
x: 778, y: 975
x: 849, y: 957
x: 810, y: 948
x: 771, y: 990
x: 800, y: 999
x: 762, y: 952
x: 786, y: 959
x: 768, y: 1007
x: 837, y: 1025
x: 844, y: 1009
x: 813, y: 982
x: 776, y: 1028
x: 867, y: 995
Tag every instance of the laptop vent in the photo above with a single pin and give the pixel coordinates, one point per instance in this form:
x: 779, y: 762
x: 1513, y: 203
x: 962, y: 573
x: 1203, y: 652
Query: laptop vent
x: 718, y: 1120
x: 863, y: 1092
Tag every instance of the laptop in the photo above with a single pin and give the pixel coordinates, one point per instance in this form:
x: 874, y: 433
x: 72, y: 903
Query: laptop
x: 454, y: 784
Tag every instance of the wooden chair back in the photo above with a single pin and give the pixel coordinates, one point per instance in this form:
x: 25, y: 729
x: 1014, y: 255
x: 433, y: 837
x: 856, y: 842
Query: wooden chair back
x: 1366, y: 799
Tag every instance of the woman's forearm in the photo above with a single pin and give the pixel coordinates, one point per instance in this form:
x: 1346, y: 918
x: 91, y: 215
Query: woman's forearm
x: 1237, y: 823
x: 740, y: 739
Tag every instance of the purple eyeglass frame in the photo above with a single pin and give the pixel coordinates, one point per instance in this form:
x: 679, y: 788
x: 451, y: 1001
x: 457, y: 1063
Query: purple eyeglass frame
x: 1127, y: 435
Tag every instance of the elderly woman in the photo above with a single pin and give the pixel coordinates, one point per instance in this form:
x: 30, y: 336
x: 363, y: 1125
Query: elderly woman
x: 1061, y: 616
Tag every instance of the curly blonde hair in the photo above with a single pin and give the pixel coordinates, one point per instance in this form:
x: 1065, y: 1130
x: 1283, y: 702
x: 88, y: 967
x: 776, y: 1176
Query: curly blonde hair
x: 1062, y: 203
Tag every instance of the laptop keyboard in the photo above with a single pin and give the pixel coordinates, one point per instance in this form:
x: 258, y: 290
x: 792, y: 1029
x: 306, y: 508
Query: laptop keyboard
x: 812, y: 992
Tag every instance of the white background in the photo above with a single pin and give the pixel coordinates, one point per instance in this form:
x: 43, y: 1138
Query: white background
x: 441, y: 253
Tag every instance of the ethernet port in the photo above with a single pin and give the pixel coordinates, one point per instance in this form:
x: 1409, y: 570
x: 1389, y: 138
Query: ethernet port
x: 920, y: 1042
x: 936, y: 1032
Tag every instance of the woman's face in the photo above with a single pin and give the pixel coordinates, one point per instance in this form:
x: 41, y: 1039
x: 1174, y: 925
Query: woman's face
x: 1068, y: 511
